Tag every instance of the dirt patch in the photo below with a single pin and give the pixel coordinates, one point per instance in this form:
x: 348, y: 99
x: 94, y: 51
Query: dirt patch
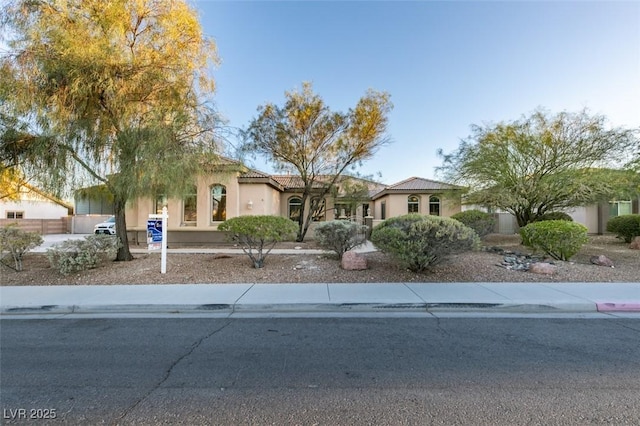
x: 481, y: 266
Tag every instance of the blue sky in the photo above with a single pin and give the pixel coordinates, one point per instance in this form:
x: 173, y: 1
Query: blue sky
x: 447, y: 65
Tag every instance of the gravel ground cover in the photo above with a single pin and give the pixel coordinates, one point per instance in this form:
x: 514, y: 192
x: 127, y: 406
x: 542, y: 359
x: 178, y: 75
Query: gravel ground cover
x: 480, y: 266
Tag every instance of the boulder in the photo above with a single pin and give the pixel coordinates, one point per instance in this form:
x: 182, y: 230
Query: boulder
x: 602, y: 260
x: 352, y: 261
x: 543, y: 268
x: 635, y: 244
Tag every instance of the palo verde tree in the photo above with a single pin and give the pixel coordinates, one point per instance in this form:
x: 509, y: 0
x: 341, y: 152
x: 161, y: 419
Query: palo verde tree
x: 304, y: 136
x: 112, y: 91
x: 540, y: 163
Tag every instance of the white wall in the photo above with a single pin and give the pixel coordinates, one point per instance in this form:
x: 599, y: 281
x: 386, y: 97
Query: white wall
x: 34, y: 209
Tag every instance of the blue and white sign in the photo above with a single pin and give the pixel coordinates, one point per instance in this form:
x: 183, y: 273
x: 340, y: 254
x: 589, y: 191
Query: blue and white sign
x: 154, y: 230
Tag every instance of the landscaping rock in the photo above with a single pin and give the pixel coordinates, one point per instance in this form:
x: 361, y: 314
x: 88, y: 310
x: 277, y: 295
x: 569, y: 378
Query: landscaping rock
x: 352, y: 261
x: 514, y: 260
x: 635, y: 244
x: 602, y: 260
x: 543, y: 268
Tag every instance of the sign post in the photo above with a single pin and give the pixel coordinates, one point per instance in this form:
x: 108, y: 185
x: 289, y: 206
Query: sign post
x: 157, y: 236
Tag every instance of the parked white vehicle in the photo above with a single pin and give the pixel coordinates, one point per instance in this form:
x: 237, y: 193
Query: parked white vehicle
x: 107, y: 227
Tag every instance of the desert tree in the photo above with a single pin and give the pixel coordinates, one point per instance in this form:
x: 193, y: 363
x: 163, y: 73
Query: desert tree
x: 305, y: 137
x: 116, y: 92
x: 541, y: 163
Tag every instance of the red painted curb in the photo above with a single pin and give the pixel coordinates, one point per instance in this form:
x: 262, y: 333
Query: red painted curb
x: 618, y: 307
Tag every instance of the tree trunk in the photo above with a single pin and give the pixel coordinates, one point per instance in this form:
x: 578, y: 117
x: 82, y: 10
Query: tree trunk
x: 124, y: 254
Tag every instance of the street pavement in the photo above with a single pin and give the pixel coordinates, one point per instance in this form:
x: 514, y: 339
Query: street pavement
x: 242, y: 299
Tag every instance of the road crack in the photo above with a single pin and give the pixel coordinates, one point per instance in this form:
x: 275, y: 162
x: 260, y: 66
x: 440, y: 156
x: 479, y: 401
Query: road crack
x: 167, y: 374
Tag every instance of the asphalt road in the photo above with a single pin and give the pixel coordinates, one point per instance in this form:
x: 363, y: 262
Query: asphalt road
x: 320, y: 371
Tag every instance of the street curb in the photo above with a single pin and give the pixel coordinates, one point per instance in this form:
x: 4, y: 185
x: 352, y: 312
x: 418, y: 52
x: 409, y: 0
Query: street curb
x: 618, y: 307
x: 304, y: 307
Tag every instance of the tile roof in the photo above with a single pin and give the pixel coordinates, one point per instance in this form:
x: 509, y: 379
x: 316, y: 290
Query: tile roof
x: 419, y: 184
x: 295, y: 181
x: 416, y: 184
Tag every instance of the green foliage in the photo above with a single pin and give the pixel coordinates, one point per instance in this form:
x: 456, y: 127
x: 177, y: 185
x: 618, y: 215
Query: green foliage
x: 560, y: 239
x: 481, y: 222
x: 79, y: 255
x: 626, y: 227
x: 340, y: 236
x: 14, y: 243
x: 554, y: 216
x: 306, y: 137
x: 116, y: 92
x: 541, y: 163
x: 419, y: 242
x: 255, y: 233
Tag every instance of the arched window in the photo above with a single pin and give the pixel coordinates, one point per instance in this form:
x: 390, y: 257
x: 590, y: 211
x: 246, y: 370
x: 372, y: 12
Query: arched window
x: 295, y: 208
x: 218, y: 203
x: 413, y: 204
x: 190, y: 207
x: 434, y: 205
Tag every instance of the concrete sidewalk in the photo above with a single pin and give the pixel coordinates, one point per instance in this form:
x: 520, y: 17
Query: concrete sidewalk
x: 316, y: 298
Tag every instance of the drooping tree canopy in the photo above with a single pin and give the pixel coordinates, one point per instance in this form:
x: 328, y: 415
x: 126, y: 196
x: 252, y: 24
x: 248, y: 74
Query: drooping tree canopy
x: 114, y: 92
x: 541, y: 163
x: 304, y: 136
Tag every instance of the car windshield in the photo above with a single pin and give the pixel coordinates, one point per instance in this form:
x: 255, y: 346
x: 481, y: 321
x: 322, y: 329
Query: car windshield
x: 112, y: 219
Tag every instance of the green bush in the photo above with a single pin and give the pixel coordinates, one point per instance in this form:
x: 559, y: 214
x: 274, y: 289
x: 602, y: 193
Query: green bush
x: 481, y: 222
x: 554, y: 216
x: 14, y: 243
x: 419, y: 242
x: 79, y: 255
x: 559, y: 239
x: 626, y: 227
x: 340, y: 236
x: 255, y: 233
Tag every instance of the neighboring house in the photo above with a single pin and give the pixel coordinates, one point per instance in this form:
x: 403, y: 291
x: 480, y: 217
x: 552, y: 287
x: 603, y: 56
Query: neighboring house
x: 594, y: 217
x: 238, y: 191
x: 36, y: 211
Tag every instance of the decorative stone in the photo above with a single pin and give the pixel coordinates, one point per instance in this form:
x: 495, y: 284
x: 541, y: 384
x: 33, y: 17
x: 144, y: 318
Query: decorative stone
x: 635, y: 244
x: 543, y: 268
x: 352, y: 261
x: 602, y: 260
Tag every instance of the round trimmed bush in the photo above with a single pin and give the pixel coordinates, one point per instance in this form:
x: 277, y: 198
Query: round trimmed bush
x: 559, y: 239
x: 626, y: 226
x: 555, y: 216
x: 481, y: 222
x: 419, y: 242
x: 340, y: 236
x: 258, y: 234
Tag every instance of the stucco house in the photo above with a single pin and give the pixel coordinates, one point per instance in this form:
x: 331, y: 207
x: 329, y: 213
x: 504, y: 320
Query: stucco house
x: 240, y: 190
x: 594, y: 216
x: 36, y: 211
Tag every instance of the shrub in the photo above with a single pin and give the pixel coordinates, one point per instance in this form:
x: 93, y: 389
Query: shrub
x: 340, y: 236
x: 15, y: 243
x: 559, y: 239
x: 555, y: 216
x: 79, y: 255
x: 481, y: 222
x: 419, y: 242
x: 626, y: 226
x: 255, y: 233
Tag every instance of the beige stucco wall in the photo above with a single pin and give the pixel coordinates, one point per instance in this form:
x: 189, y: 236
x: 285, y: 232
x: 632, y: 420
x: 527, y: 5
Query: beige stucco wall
x: 588, y: 216
x: 396, y: 205
x: 265, y: 200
